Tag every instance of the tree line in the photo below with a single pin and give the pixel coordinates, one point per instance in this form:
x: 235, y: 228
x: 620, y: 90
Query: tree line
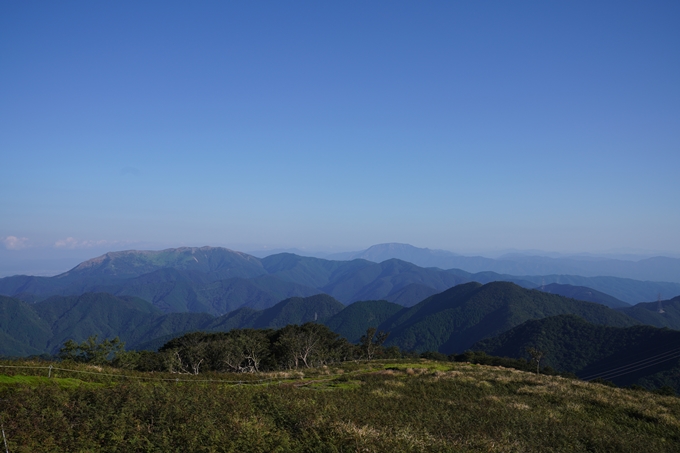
x: 237, y: 351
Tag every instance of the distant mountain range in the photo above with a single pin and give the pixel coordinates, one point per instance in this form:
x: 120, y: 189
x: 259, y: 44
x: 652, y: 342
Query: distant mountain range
x: 217, y: 281
x: 653, y: 269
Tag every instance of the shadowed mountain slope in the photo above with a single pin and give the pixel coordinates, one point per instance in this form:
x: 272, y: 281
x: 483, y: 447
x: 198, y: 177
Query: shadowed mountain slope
x: 353, y: 321
x: 102, y: 314
x: 22, y: 331
x: 298, y: 310
x: 455, y: 319
x: 638, y: 354
x: 665, y: 313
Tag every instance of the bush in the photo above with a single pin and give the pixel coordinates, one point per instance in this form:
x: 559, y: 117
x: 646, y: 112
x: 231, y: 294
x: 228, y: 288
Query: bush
x: 434, y: 355
x: 604, y: 382
x: 666, y: 390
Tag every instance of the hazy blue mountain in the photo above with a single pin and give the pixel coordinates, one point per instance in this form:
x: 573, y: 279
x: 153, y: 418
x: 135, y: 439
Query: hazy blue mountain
x: 113, y: 270
x: 360, y: 280
x: 350, y: 281
x: 638, y: 354
x: 295, y: 251
x: 455, y: 319
x: 218, y: 281
x: 419, y: 256
x: 217, y: 262
x: 28, y: 287
x: 625, y: 289
x: 377, y: 281
x: 410, y: 294
x: 174, y: 290
x: 660, y: 269
x: 314, y: 272
x: 583, y: 293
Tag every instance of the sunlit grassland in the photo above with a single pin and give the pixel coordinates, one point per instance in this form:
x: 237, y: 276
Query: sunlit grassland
x: 41, y: 380
x: 374, y: 406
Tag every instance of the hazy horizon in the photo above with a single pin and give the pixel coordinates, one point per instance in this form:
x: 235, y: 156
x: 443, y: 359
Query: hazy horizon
x: 477, y: 128
x: 48, y: 261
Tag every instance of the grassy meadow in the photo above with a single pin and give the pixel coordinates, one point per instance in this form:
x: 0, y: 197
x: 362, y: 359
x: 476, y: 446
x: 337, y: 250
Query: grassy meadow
x: 390, y: 406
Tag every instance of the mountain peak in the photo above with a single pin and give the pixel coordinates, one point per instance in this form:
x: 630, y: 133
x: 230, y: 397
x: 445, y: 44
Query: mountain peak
x: 132, y: 263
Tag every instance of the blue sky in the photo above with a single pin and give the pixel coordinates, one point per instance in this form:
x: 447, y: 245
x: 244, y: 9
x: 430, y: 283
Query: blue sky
x: 466, y: 126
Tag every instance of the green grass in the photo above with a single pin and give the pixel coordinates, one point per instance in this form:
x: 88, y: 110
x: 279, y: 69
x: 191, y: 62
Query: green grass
x: 400, y: 406
x: 39, y: 380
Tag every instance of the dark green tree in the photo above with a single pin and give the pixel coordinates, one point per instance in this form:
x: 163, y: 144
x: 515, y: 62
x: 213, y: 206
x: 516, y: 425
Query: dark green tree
x: 536, y: 356
x: 92, y: 351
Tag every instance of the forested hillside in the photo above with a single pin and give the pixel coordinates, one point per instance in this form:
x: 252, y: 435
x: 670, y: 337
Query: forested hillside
x: 455, y: 319
x: 639, y: 354
x: 448, y: 322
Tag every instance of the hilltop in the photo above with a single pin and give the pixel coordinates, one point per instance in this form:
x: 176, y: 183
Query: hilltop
x: 394, y: 406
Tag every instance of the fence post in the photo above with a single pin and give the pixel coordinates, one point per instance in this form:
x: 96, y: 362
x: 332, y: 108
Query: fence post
x: 49, y: 373
x: 4, y: 439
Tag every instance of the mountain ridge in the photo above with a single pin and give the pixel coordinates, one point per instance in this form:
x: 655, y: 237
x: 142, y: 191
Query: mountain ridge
x: 218, y: 280
x: 658, y: 268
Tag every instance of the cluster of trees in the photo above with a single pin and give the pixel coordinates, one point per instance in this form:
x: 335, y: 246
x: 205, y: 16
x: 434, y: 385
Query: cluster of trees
x: 93, y: 351
x: 237, y: 351
x: 254, y: 350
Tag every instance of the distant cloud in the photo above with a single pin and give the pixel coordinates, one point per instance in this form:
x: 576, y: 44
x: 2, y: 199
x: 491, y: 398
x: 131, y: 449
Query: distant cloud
x: 129, y: 171
x: 72, y: 243
x: 15, y: 243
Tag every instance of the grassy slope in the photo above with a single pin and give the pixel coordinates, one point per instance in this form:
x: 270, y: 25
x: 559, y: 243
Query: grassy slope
x: 399, y: 407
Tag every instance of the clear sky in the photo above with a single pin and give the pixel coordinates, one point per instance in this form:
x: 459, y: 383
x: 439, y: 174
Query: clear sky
x: 465, y: 126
